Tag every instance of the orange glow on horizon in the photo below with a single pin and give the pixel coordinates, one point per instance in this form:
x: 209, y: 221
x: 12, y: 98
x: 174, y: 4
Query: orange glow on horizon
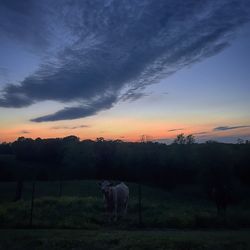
x: 123, y: 129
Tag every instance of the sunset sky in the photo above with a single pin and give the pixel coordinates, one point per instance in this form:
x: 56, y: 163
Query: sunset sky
x: 120, y: 69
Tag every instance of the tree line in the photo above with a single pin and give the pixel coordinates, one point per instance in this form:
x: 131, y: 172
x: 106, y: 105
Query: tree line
x: 182, y: 162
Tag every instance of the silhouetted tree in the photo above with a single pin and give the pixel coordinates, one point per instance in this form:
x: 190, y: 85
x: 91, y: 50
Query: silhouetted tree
x: 182, y: 163
x: 180, y: 139
x: 190, y: 139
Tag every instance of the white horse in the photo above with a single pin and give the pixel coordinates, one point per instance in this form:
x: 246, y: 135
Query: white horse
x: 115, y: 197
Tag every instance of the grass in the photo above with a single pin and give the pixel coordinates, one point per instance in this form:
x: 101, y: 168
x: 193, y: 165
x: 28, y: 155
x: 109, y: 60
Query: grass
x: 70, y: 188
x: 169, y: 220
x: 124, y: 240
x: 81, y: 207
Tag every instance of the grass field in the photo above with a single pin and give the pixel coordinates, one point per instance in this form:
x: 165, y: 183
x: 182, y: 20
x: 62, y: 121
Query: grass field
x: 122, y: 240
x: 81, y: 207
x: 176, y: 219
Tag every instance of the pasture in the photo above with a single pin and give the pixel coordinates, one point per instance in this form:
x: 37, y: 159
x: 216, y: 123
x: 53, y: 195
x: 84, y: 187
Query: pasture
x: 171, y: 219
x: 123, y: 240
x: 81, y: 206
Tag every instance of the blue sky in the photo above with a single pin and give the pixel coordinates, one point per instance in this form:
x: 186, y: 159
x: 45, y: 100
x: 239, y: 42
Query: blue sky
x: 92, y: 67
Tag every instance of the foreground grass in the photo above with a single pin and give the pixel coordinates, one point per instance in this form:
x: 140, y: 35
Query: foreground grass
x: 121, y: 240
x: 88, y: 213
x: 81, y: 207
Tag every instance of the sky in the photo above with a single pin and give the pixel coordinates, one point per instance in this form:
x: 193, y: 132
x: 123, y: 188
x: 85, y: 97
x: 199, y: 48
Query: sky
x: 123, y: 69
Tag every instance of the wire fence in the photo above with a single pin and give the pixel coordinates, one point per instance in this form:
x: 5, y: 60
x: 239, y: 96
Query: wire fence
x: 36, y: 196
x: 80, y: 204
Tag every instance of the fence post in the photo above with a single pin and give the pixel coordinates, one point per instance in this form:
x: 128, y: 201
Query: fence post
x: 32, y: 202
x: 60, y: 188
x: 19, y: 189
x: 139, y: 204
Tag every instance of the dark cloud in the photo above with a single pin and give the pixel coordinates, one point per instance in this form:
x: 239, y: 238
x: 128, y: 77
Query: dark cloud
x: 100, y: 48
x: 223, y: 128
x: 25, y: 22
x: 24, y: 132
x: 84, y: 110
x: 175, y: 129
x: 70, y: 127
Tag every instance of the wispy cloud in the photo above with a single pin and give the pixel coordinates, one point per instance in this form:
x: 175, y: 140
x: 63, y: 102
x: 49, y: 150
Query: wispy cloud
x: 223, y: 128
x: 131, y: 95
x: 70, y: 127
x: 201, y: 133
x: 175, y: 129
x: 100, y: 48
x: 24, y: 132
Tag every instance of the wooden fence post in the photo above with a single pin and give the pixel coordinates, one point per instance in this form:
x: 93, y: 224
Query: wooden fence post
x: 139, y: 204
x: 60, y: 188
x: 19, y: 189
x: 32, y: 203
